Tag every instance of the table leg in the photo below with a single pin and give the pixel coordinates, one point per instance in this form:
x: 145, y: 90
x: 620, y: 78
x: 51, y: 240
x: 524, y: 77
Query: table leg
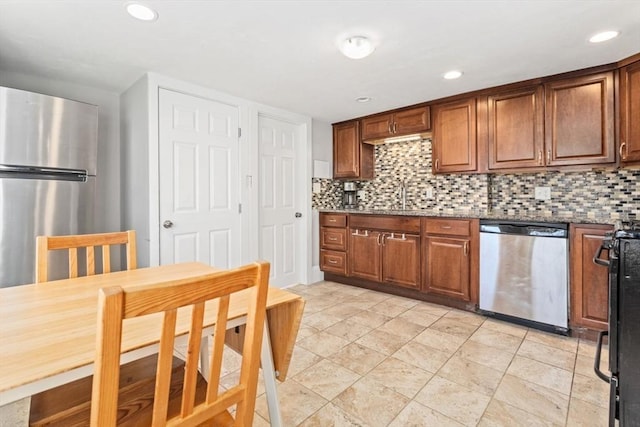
x: 269, y: 375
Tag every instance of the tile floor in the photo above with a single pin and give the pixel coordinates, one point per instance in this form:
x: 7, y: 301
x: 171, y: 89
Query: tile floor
x: 365, y: 358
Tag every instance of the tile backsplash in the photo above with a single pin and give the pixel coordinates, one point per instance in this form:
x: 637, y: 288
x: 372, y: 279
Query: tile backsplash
x: 606, y: 195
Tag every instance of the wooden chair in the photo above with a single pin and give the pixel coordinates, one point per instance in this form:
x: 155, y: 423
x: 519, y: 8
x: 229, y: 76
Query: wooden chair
x: 89, y: 242
x: 189, y: 297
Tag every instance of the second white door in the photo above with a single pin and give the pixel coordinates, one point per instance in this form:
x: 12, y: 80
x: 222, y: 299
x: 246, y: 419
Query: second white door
x: 199, y: 181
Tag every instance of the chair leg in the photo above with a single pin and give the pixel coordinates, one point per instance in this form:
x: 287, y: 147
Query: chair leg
x: 204, y: 357
x: 269, y: 375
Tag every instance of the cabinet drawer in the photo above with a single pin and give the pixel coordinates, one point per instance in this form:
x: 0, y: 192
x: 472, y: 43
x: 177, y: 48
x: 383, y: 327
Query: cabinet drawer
x: 333, y: 220
x: 333, y: 238
x: 402, y: 224
x: 448, y: 227
x: 335, y: 262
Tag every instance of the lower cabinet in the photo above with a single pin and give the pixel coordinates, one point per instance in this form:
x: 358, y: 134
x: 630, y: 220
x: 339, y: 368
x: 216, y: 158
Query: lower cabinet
x: 589, y: 287
x: 364, y: 255
x: 450, y: 258
x: 401, y: 260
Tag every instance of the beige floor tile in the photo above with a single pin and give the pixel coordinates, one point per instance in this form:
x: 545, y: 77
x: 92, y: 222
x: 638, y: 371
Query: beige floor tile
x: 501, y: 414
x: 382, y: 341
x: 542, y: 374
x: 453, y: 400
x: 402, y: 301
x: 433, y: 309
x: 326, y: 378
x: 419, y: 317
x: 532, y: 398
x: 316, y: 304
x: 301, y: 359
x: 417, y: 415
x: 296, y: 403
x: 357, y: 358
x: 374, y: 404
x: 422, y: 356
x: 550, y: 355
x: 497, y: 339
x: 454, y: 327
x: 348, y: 330
x: 341, y: 311
x: 233, y: 379
x: 370, y: 318
x: 584, y: 365
x: 400, y: 376
x: 402, y: 327
x: 258, y: 421
x: 373, y: 297
x: 306, y: 331
x: 585, y: 414
x: 441, y: 341
x: 231, y: 361
x: 465, y: 317
x: 553, y: 340
x: 587, y: 348
x: 491, y: 357
x: 471, y: 375
x: 590, y: 389
x: 321, y: 320
x: 323, y: 343
x: 388, y: 308
x: 332, y: 416
x: 505, y: 327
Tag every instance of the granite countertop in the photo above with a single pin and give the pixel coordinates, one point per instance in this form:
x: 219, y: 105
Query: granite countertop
x: 482, y: 214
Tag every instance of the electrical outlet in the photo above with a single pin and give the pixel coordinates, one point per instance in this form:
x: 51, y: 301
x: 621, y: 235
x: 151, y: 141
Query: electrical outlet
x: 316, y: 187
x: 429, y: 193
x: 543, y: 193
x: 362, y: 195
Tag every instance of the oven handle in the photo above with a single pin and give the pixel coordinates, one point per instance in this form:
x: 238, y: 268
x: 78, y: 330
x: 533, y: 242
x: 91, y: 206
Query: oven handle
x: 596, y: 364
x: 597, y: 257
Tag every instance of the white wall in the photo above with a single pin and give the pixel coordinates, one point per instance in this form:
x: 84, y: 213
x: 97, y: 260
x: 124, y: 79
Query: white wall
x: 322, y: 147
x: 108, y: 174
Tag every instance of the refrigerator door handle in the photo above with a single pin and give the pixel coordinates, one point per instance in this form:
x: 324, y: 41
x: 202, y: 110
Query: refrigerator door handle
x: 36, y: 172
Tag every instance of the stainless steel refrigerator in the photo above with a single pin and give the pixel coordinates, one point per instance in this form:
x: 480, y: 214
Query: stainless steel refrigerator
x: 48, y: 155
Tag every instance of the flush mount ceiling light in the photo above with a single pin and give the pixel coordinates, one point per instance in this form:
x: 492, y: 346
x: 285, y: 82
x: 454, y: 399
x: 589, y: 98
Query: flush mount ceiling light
x: 603, y: 36
x: 363, y: 99
x: 454, y: 74
x: 356, y: 47
x: 142, y: 12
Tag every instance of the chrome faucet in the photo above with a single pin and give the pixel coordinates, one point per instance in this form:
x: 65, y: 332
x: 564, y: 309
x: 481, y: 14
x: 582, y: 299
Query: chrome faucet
x: 403, y: 194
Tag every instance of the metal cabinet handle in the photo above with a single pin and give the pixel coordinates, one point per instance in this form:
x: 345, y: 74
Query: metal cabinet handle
x: 378, y: 239
x: 167, y: 224
x: 548, y: 156
x: 539, y: 157
x: 437, y: 164
x: 332, y: 220
x: 333, y: 239
x: 445, y: 227
x: 332, y: 261
x: 390, y: 127
x: 623, y: 150
x: 395, y: 128
x: 466, y: 248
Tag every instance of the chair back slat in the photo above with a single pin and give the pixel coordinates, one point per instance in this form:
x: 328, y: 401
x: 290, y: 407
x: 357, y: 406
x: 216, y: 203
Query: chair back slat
x: 87, y: 243
x: 190, y: 295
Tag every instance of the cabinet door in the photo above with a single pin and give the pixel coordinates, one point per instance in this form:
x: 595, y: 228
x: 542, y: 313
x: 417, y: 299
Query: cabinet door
x: 579, y: 121
x: 364, y: 255
x: 448, y: 269
x: 455, y: 137
x: 346, y: 150
x: 401, y: 260
x: 410, y: 121
x: 630, y: 114
x: 589, y: 281
x: 516, y: 129
x: 377, y: 127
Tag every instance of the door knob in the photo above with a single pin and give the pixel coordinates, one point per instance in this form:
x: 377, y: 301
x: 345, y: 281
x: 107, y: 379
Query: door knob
x: 167, y: 224
x: 298, y: 214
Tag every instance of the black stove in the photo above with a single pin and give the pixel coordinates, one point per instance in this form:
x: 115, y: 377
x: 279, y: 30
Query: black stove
x: 623, y: 247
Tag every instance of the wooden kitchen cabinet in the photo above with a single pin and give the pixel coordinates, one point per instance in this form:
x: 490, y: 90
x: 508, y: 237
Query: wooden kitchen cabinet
x: 333, y: 243
x: 579, y: 120
x: 516, y: 129
x: 385, y: 249
x: 630, y: 114
x: 454, y: 143
x: 450, y: 258
x: 399, y: 123
x: 351, y: 158
x: 589, y: 286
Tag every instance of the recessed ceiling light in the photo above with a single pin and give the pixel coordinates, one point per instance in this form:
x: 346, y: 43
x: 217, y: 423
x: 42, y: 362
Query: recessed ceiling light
x: 141, y: 12
x: 357, y: 47
x: 603, y: 36
x: 363, y: 99
x: 454, y: 74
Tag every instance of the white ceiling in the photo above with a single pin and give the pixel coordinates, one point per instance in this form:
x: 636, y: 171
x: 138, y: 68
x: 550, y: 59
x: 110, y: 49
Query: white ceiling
x: 284, y: 53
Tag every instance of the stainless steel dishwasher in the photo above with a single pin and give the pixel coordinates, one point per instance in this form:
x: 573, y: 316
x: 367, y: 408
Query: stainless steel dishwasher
x: 524, y: 272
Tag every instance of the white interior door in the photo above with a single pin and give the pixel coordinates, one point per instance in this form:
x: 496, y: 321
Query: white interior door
x: 199, y: 181
x: 281, y: 185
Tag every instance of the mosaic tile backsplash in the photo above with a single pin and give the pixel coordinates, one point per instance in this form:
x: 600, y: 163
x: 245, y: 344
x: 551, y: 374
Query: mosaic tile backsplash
x: 606, y: 195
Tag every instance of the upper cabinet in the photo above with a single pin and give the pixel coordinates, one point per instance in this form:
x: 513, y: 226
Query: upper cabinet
x: 579, y: 120
x: 351, y: 158
x: 399, y: 123
x: 630, y: 114
x: 454, y: 137
x: 516, y: 128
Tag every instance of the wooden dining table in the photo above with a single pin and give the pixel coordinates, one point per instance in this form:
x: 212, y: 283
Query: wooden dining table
x: 48, y: 330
